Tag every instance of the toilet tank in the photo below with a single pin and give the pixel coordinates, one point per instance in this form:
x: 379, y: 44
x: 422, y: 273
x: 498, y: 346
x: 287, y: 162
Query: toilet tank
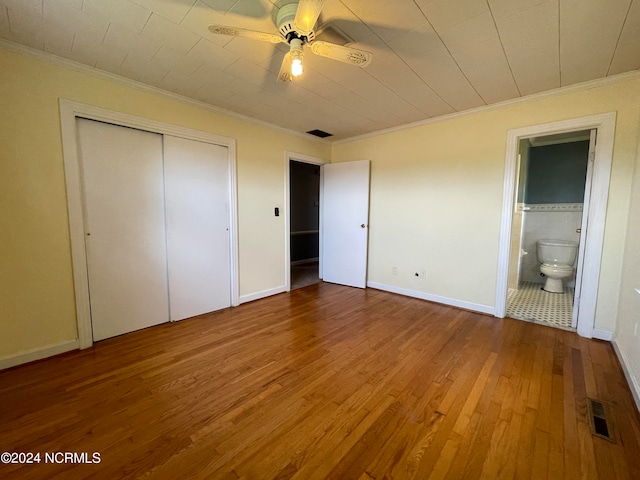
x: 557, y: 252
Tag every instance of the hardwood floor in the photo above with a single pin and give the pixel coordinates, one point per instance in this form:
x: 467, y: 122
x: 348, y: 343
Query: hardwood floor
x: 325, y: 382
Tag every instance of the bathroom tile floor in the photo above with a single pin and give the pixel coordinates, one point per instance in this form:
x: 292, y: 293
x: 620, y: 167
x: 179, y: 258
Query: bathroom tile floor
x: 529, y: 302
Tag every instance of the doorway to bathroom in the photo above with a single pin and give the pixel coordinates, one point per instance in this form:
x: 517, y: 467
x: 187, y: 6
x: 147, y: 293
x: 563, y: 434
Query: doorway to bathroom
x: 549, y: 220
x: 587, y: 290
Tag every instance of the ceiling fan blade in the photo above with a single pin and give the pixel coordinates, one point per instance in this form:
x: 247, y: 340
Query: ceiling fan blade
x: 342, y: 54
x: 241, y: 32
x: 307, y: 15
x: 285, y: 69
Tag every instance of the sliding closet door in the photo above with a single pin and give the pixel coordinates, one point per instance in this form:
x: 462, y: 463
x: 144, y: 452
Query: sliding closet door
x: 197, y: 200
x: 125, y: 227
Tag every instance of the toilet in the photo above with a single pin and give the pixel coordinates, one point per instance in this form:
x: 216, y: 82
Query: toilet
x: 556, y: 259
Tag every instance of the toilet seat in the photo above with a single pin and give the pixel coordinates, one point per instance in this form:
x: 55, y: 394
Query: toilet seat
x: 559, y: 268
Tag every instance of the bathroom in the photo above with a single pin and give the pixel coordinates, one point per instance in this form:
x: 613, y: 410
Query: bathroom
x: 547, y: 226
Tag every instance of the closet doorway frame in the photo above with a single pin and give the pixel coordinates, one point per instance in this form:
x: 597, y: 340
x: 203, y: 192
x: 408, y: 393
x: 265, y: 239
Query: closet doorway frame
x: 302, y: 158
x: 604, y: 124
x: 69, y: 112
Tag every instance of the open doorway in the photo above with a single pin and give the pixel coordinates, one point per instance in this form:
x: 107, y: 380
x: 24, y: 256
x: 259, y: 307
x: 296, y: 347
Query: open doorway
x: 549, y: 222
x: 304, y: 222
x: 591, y: 242
x: 330, y: 207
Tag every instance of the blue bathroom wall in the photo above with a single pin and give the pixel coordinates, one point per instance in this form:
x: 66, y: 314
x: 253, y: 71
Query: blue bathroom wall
x: 557, y: 173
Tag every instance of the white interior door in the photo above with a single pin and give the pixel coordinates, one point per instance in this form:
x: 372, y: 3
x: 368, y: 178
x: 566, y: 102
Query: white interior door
x: 125, y: 227
x: 197, y: 202
x: 583, y: 228
x: 345, y: 219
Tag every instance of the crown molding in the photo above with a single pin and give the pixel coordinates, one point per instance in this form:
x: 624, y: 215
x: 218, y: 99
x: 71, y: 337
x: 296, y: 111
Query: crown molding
x: 577, y: 87
x: 88, y: 70
x: 73, y: 65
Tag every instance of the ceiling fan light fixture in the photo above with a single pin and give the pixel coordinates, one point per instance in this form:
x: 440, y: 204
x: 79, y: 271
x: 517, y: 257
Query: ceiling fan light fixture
x: 307, y: 14
x: 295, y: 21
x: 296, y: 67
x: 295, y: 48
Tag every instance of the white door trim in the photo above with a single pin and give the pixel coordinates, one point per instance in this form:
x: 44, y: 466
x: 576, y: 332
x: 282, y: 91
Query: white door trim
x: 297, y: 157
x: 69, y: 111
x: 605, y: 125
x: 584, y: 227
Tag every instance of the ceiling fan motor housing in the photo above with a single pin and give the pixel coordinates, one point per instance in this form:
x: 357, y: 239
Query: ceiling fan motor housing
x: 286, y: 26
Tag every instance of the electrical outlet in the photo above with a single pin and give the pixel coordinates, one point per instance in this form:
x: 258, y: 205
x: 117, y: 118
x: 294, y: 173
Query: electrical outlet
x: 423, y: 274
x: 394, y: 271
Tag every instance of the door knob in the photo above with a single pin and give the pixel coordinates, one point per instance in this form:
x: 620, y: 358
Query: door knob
x: 362, y: 226
x: 578, y: 230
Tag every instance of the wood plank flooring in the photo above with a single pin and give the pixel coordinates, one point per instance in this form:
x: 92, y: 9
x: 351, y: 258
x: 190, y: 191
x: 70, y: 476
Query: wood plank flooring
x: 325, y: 382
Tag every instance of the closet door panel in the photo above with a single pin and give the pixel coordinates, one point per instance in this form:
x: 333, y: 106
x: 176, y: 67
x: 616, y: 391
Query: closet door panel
x: 197, y: 204
x: 125, y: 227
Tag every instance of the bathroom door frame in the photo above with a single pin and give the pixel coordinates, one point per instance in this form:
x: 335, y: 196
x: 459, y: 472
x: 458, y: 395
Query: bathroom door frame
x: 604, y: 124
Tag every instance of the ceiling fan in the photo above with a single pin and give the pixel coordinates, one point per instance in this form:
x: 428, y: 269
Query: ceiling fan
x: 296, y: 23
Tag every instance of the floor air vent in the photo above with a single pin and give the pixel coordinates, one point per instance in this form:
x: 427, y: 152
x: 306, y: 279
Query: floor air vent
x: 320, y: 133
x: 599, y: 420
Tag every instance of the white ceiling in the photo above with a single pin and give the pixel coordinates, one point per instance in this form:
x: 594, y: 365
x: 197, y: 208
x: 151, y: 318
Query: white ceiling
x: 431, y: 57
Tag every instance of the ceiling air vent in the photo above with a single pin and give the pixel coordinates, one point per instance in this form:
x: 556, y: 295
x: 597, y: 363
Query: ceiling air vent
x: 320, y: 133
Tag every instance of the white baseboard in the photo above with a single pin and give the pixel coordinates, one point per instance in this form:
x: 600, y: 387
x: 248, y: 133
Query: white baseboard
x: 37, y: 354
x: 634, y: 386
x: 264, y: 293
x: 602, y: 334
x: 476, y: 307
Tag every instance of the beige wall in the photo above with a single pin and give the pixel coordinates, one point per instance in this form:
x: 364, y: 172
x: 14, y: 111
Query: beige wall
x: 37, y: 306
x: 436, y: 194
x: 628, y: 328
